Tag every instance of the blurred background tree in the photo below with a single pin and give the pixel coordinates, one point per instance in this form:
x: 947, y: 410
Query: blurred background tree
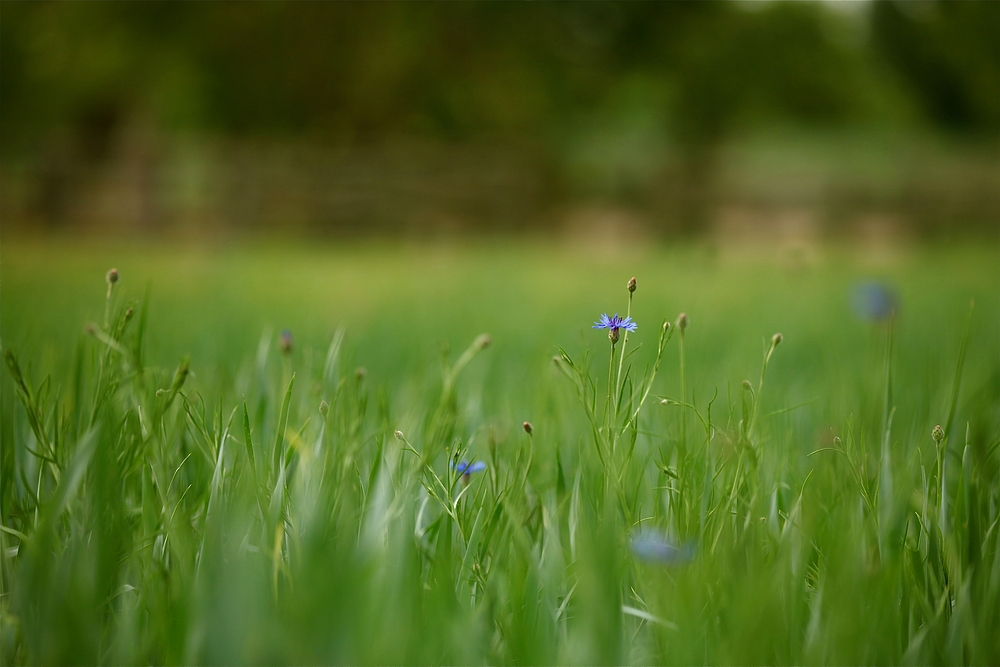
x: 356, y: 118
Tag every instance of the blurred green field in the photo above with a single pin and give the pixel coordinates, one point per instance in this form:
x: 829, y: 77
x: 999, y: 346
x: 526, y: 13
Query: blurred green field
x: 142, y: 532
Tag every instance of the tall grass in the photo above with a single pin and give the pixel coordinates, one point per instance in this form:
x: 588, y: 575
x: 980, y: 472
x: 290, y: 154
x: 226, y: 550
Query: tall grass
x: 295, y: 508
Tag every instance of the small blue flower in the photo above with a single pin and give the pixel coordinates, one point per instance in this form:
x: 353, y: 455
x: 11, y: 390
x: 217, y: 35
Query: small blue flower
x: 652, y: 546
x: 615, y: 323
x: 285, y: 341
x: 465, y: 468
x: 873, y: 301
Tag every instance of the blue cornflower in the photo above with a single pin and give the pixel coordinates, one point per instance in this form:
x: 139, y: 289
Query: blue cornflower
x: 873, y: 301
x: 652, y: 546
x: 285, y: 341
x: 465, y: 469
x: 613, y: 324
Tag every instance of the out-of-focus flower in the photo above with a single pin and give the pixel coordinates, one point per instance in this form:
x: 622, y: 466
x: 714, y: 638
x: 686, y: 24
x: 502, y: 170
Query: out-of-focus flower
x: 652, y: 546
x: 285, y: 341
x: 466, y: 469
x: 873, y: 301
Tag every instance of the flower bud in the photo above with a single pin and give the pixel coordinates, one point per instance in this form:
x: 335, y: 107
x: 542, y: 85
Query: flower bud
x: 483, y: 341
x: 112, y: 276
x: 360, y: 373
x: 666, y: 326
x: 631, y: 284
x: 775, y: 339
x: 682, y: 321
x: 937, y: 433
x: 528, y: 428
x: 747, y: 385
x: 399, y: 435
x: 324, y: 408
x: 129, y: 313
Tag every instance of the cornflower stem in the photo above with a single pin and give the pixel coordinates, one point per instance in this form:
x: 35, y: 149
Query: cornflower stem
x: 611, y: 375
x: 760, y: 389
x: 106, y: 352
x: 107, y: 306
x: 942, y: 489
x: 683, y: 387
x: 621, y: 356
x: 531, y: 458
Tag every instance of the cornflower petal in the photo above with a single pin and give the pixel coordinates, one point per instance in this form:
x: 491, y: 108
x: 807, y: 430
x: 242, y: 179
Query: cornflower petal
x: 466, y: 468
x: 604, y: 323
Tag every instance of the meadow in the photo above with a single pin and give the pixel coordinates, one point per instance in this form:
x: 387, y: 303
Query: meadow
x: 392, y: 453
